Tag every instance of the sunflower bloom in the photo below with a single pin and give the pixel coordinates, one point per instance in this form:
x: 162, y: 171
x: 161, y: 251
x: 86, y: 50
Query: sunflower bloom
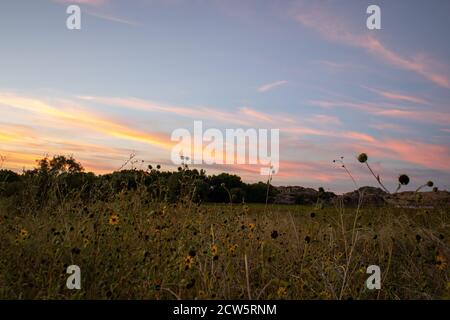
x: 214, y: 250
x: 114, y: 219
x: 23, y: 233
x: 188, y: 262
x: 232, y: 248
x: 282, y: 292
x: 441, y: 262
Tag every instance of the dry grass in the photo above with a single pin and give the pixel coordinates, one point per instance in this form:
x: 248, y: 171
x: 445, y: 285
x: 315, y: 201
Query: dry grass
x: 128, y: 249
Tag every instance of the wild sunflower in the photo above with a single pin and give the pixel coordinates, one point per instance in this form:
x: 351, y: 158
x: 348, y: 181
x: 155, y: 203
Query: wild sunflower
x: 281, y: 292
x: 232, y: 248
x: 188, y: 262
x: 214, y: 250
x: 441, y: 262
x: 114, y: 219
x: 251, y: 227
x: 23, y: 233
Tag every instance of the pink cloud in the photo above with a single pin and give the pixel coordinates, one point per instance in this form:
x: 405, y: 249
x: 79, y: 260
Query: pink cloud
x: 352, y: 135
x: 334, y: 29
x: 427, y: 116
x: 265, y: 117
x: 420, y: 116
x: 272, y: 85
x: 358, y: 136
x: 398, y: 96
x: 192, y: 112
x: 428, y: 155
x: 245, y: 116
x: 323, y: 119
x: 383, y: 126
x: 432, y: 156
x: 302, y: 171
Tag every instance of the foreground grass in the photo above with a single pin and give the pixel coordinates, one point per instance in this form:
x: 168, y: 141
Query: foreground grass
x: 128, y: 249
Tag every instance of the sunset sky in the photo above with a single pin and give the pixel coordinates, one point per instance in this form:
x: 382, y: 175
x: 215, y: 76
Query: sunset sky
x: 137, y: 70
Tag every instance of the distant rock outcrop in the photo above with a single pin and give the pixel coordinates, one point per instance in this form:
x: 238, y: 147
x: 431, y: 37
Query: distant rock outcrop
x: 370, y: 197
x: 419, y: 199
x: 301, y: 195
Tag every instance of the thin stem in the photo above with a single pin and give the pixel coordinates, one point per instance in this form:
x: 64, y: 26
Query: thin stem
x: 348, y: 172
x: 247, y: 277
x: 269, y: 180
x: 421, y: 187
x: 377, y: 178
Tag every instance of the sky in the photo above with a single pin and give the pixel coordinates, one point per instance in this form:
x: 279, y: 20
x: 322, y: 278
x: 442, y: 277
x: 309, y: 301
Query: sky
x: 138, y: 70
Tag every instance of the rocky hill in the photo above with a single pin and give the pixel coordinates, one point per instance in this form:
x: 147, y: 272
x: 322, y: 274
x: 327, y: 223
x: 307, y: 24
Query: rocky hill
x: 370, y: 196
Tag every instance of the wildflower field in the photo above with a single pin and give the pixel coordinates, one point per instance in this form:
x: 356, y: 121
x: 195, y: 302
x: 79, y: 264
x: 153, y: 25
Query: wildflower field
x: 129, y: 248
x: 151, y: 234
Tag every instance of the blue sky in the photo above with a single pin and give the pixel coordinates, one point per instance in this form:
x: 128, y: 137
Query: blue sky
x: 137, y: 70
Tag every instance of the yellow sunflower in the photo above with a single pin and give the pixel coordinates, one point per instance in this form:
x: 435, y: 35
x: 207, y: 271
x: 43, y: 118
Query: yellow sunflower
x: 282, y: 292
x: 214, y: 250
x: 23, y: 233
x: 188, y: 262
x: 114, y: 219
x: 441, y: 262
x: 232, y: 248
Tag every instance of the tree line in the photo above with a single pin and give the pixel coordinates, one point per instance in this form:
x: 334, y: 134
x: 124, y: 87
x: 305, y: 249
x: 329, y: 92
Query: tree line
x: 61, y: 176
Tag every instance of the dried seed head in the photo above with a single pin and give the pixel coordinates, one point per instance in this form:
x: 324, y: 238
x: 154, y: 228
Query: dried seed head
x: 403, y: 179
x: 362, y: 158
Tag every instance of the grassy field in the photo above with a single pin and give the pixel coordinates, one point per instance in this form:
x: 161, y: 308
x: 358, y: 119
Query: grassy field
x: 132, y: 249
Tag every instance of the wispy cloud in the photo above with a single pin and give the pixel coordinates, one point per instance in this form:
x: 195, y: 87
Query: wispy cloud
x: 93, y: 8
x: 324, y: 119
x: 113, y: 18
x: 384, y: 126
x: 274, y: 119
x: 77, y: 116
x: 196, y: 112
x: 434, y: 117
x: 305, y: 171
x: 433, y: 156
x: 398, y: 96
x: 425, y: 116
x: 335, y: 29
x: 272, y: 85
x: 410, y: 151
x: 26, y: 159
x: 15, y: 132
x: 344, y: 135
x: 338, y: 66
x: 247, y: 116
